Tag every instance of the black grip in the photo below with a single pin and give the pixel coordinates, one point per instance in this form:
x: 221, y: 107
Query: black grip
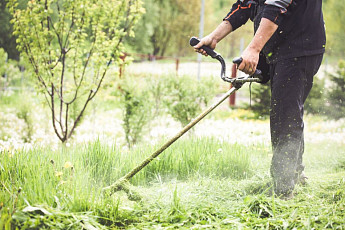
x: 194, y: 41
x: 238, y: 61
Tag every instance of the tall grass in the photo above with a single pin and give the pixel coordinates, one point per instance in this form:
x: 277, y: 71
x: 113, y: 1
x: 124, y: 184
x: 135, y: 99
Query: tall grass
x: 70, y: 179
x: 208, y: 191
x: 71, y: 174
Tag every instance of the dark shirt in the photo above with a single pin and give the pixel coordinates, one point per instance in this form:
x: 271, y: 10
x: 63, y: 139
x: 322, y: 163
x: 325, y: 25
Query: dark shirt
x: 301, y: 30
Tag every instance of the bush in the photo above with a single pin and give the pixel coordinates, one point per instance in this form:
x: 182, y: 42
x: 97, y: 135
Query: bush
x: 136, y: 107
x: 336, y: 94
x: 261, y: 99
x: 10, y: 74
x: 187, y: 96
x: 24, y: 112
x: 316, y: 101
x: 157, y: 87
x: 16, y: 117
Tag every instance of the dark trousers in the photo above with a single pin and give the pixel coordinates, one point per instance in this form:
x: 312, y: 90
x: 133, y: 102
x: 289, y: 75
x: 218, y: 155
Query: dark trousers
x: 291, y: 82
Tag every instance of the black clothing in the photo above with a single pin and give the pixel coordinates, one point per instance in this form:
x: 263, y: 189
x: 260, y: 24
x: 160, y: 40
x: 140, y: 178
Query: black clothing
x: 300, y: 32
x: 291, y: 82
x: 294, y: 54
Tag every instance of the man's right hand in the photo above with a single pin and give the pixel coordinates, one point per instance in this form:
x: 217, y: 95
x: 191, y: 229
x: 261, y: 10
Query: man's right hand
x: 206, y: 41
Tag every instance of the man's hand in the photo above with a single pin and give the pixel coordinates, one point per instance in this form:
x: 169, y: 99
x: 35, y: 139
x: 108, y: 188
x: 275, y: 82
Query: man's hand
x: 250, y: 60
x: 206, y: 41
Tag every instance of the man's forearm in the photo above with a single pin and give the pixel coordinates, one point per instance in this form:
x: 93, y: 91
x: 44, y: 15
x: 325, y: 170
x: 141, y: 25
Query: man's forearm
x: 263, y: 34
x: 221, y: 31
x: 251, y: 54
x: 213, y: 38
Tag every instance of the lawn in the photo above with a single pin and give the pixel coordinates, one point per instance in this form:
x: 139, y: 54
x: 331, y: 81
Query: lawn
x: 198, y: 183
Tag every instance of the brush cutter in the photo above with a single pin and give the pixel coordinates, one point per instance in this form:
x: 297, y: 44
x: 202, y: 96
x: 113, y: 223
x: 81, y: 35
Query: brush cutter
x: 237, y: 83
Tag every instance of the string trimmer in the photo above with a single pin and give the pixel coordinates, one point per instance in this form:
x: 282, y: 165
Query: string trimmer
x: 237, y: 83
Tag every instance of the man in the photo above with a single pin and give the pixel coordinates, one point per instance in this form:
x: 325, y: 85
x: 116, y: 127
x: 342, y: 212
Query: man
x: 290, y: 41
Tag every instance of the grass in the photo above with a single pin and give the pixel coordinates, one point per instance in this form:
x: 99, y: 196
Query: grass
x: 197, y: 183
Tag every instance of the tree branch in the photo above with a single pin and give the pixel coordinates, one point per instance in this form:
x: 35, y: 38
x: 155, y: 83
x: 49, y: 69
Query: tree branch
x: 53, y: 115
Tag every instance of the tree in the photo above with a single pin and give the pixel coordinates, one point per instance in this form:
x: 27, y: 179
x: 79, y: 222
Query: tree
x: 334, y: 19
x: 7, y: 40
x: 70, y: 45
x: 167, y: 27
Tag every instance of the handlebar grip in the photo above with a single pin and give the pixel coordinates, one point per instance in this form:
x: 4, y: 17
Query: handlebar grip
x: 194, y: 41
x: 238, y: 61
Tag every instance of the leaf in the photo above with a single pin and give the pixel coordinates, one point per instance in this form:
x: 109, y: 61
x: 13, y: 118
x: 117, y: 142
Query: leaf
x: 89, y: 226
x: 20, y: 216
x: 36, y: 210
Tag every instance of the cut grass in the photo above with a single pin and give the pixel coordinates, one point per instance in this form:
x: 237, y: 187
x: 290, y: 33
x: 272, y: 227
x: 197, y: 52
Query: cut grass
x: 197, y: 183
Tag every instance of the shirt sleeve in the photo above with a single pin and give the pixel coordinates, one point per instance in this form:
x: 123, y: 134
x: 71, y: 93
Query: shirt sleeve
x: 239, y: 13
x: 276, y: 9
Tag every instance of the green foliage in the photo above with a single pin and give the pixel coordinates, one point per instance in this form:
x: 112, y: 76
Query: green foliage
x: 166, y: 27
x: 10, y: 74
x: 48, y: 218
x: 7, y: 40
x: 3, y: 60
x: 336, y: 93
x: 334, y: 18
x: 24, y: 112
x: 187, y: 96
x: 70, y: 46
x: 16, y: 117
x: 157, y: 87
x: 136, y: 107
x: 261, y: 99
x: 317, y: 99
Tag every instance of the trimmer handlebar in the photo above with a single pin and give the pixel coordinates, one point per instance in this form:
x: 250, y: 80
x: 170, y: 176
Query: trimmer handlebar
x: 238, y: 61
x: 236, y: 82
x: 194, y: 41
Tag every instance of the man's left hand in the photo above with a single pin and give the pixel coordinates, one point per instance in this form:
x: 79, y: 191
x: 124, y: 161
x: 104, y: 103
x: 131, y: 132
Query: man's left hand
x: 250, y: 61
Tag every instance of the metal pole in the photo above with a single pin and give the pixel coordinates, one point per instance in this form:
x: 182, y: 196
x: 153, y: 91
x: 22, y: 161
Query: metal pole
x: 201, y: 33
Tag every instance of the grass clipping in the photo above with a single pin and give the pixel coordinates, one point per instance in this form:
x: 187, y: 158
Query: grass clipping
x: 123, y: 185
x: 48, y: 218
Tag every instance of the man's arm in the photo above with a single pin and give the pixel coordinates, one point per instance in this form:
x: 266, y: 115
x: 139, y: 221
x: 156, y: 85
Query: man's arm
x: 251, y: 53
x: 272, y: 16
x: 213, y: 38
x: 238, y: 15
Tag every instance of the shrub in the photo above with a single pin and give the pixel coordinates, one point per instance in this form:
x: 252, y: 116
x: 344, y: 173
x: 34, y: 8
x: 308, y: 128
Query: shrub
x: 10, y: 74
x: 24, y: 112
x: 16, y: 117
x: 158, y: 90
x: 261, y: 99
x: 136, y: 107
x: 316, y: 101
x: 336, y: 94
x: 187, y: 96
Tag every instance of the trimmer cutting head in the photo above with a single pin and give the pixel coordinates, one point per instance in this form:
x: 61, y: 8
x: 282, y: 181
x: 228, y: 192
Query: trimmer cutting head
x: 123, y: 185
